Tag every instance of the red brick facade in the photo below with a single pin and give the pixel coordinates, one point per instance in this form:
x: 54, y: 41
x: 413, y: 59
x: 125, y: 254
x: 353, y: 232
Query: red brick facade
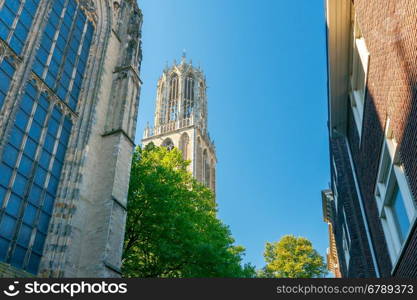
x: 389, y: 28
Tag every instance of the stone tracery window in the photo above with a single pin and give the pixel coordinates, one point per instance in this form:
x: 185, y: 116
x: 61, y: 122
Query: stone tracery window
x: 206, y: 169
x: 173, y: 99
x: 188, y: 96
x: 199, y: 161
x: 35, y: 150
x: 203, y: 108
x: 163, y: 106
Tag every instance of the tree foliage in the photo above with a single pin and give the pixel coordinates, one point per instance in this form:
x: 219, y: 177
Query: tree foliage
x: 172, y: 229
x: 292, y: 257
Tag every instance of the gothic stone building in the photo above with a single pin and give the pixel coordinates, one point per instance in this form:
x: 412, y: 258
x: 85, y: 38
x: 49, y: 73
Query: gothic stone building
x: 372, y: 101
x: 69, y: 93
x: 181, y: 119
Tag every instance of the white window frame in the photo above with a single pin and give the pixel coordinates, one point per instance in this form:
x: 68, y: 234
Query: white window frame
x: 391, y: 173
x: 359, y: 59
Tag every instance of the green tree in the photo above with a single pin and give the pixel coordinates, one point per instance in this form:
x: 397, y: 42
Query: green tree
x: 292, y: 257
x: 172, y: 229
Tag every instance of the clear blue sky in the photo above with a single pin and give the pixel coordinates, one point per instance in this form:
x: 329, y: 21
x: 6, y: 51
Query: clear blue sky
x: 265, y: 67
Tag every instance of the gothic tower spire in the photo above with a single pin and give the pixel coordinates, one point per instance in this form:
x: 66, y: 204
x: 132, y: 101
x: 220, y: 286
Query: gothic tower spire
x: 181, y: 119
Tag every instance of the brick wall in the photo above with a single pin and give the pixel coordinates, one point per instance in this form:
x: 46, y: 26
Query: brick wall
x: 360, y: 264
x: 390, y: 31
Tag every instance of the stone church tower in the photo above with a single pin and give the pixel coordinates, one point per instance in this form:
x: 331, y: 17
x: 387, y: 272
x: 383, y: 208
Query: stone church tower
x: 181, y: 119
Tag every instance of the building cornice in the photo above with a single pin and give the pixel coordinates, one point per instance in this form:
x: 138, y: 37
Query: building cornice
x: 338, y: 23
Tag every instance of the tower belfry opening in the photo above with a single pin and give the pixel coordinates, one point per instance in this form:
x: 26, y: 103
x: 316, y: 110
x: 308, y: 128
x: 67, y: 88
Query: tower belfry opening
x: 181, y: 119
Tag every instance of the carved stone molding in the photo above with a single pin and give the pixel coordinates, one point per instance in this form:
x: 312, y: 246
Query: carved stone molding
x: 5, y: 51
x: 89, y: 7
x: 43, y: 88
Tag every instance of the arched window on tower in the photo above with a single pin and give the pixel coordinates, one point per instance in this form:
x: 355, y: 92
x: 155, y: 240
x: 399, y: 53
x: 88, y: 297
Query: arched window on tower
x: 173, y: 99
x: 163, y: 105
x: 206, y: 169
x: 202, y: 89
x: 184, y: 145
x: 199, y: 162
x: 188, y: 96
x: 167, y: 143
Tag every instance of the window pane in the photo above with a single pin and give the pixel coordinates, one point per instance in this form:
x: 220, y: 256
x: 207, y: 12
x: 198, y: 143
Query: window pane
x: 26, y: 18
x: 7, y: 68
x: 31, y: 6
x: 44, y: 160
x: 400, y: 214
x: 16, y: 44
x: 31, y: 90
x: 6, y: 173
x: 7, y: 16
x: 10, y: 155
x: 43, y: 222
x: 48, y: 204
x: 53, y: 127
x: 43, y: 101
x: 35, y: 195
x: 60, y: 153
x: 21, y: 119
x: 25, y: 166
x: 33, y: 264
x: 2, y: 195
x: 40, y: 175
x: 4, y: 30
x: 56, y: 169
x: 26, y: 103
x: 56, y: 113
x: 30, y: 214
x: 4, y: 82
x: 39, y: 241
x: 7, y: 226
x: 30, y: 147
x: 4, y: 247
x: 19, y: 185
x: 13, y: 205
x: 18, y: 257
x: 64, y: 137
x: 24, y: 235
x: 49, y: 143
x: 21, y: 31
x: 35, y: 131
x: 16, y: 137
x: 52, y: 185
x: 46, y: 42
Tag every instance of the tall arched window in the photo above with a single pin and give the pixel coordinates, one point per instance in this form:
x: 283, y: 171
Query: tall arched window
x: 184, y: 144
x: 206, y: 169
x: 168, y: 144
x: 199, y: 161
x: 213, y: 176
x: 173, y: 99
x: 202, y: 89
x: 188, y: 96
x: 163, y: 105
